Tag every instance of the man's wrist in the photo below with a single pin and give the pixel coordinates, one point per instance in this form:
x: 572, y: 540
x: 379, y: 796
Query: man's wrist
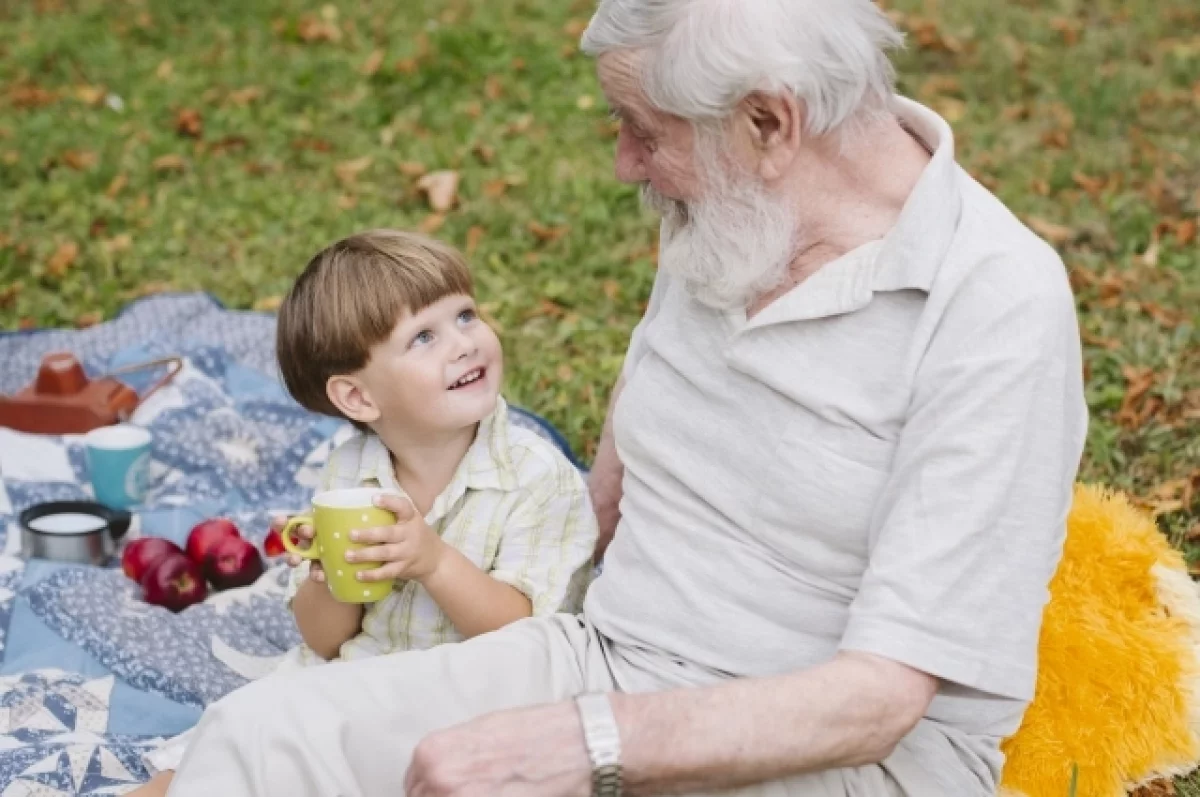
x: 602, y: 738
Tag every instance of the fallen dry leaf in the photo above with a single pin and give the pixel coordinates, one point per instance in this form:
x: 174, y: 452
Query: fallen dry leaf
x: 612, y: 289
x: 229, y: 143
x: 371, y: 65
x: 188, y: 122
x: 550, y: 308
x: 585, y: 102
x: 165, y: 69
x: 268, y: 304
x: 311, y: 30
x: 1058, y: 138
x: 1164, y: 316
x: 347, y: 202
x: 546, y: 234
x: 493, y: 89
x: 313, y: 144
x: 80, y: 160
x: 521, y: 124
x: 474, y: 236
x: 118, y: 243
x: 26, y: 323
x: 1185, y: 232
x: 407, y: 66
x: 98, y: 227
x: 1092, y: 185
x: 493, y: 189
x: 118, y: 183
x: 432, y: 223
x: 440, y: 188
x: 9, y: 293
x: 63, y: 257
x: 412, y: 169
x: 148, y: 289
x: 1091, y: 339
x: 29, y: 96
x: 169, y: 163
x: 575, y: 27
x: 1156, y: 788
x: 1150, y: 256
x: 564, y: 372
x: 485, y: 152
x: 1056, y: 234
x: 1138, y: 381
x: 89, y: 319
x: 1068, y: 28
x: 246, y: 95
x: 90, y: 95
x: 348, y: 171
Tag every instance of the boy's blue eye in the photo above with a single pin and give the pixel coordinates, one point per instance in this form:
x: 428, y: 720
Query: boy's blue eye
x: 467, y: 316
x: 423, y: 337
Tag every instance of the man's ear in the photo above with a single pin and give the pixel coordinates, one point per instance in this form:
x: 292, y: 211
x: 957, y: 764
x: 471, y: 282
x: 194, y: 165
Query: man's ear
x: 775, y: 122
x: 351, y: 398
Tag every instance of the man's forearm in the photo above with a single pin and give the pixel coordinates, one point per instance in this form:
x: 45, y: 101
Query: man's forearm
x: 325, y: 623
x: 849, y: 712
x: 604, y: 481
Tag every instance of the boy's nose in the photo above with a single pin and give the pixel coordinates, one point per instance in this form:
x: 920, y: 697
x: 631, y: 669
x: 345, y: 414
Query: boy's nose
x: 465, y: 346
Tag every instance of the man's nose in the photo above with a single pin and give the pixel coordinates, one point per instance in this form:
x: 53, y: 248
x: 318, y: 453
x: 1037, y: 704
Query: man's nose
x: 629, y: 165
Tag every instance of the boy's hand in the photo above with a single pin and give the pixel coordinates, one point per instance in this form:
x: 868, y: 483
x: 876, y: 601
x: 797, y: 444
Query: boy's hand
x: 409, y: 550
x: 304, y: 535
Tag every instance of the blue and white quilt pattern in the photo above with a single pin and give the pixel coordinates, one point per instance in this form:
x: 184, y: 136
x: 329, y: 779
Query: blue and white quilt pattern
x: 90, y: 675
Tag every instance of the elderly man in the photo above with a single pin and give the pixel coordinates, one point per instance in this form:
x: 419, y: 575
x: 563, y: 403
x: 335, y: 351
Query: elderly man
x: 838, y: 465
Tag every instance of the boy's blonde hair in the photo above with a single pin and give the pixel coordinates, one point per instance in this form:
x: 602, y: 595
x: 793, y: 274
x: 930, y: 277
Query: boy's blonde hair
x: 348, y: 300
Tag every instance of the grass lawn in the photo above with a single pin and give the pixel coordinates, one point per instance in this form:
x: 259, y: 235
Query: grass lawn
x: 215, y: 144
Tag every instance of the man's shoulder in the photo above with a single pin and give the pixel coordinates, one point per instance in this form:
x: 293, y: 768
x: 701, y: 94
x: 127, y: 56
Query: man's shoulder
x: 998, y: 265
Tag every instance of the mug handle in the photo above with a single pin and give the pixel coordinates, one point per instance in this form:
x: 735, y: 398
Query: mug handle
x: 285, y: 536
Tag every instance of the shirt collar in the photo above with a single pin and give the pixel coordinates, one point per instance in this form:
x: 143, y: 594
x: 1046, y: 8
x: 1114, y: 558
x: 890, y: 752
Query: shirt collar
x: 488, y: 464
x: 908, y: 256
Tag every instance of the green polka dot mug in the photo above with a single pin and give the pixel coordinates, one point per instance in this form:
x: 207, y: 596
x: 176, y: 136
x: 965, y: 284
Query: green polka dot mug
x: 335, y: 514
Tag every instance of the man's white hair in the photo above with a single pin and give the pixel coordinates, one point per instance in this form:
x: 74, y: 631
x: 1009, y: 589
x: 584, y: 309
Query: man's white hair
x: 702, y: 57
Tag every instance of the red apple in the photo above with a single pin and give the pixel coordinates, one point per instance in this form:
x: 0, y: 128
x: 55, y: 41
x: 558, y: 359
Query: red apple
x: 141, y: 554
x: 204, y: 537
x: 273, y: 544
x: 174, y: 582
x: 233, y: 562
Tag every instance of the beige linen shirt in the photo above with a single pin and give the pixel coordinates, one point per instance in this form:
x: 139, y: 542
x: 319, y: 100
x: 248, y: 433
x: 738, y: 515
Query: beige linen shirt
x: 515, y: 507
x: 881, y: 461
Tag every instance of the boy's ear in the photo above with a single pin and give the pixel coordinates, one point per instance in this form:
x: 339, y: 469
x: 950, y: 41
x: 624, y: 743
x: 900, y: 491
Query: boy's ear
x: 351, y: 398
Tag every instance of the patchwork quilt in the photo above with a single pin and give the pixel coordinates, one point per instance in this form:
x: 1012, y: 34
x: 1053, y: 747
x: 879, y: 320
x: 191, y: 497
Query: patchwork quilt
x: 90, y: 675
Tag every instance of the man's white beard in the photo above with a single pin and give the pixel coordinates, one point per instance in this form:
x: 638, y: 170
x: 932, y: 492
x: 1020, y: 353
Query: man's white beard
x: 732, y: 245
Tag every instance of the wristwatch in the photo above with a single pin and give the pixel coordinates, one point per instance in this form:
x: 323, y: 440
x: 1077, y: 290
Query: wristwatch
x: 603, y: 743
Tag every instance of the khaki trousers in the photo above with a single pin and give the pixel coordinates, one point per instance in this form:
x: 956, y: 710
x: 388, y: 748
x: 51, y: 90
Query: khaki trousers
x: 348, y: 729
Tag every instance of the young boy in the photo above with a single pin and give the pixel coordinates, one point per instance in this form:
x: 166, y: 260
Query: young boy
x: 381, y: 329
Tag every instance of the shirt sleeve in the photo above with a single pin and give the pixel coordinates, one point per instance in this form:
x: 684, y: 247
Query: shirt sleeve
x: 547, y: 543
x: 969, y: 528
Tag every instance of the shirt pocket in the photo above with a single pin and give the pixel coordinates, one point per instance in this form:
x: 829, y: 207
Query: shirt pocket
x: 817, y: 499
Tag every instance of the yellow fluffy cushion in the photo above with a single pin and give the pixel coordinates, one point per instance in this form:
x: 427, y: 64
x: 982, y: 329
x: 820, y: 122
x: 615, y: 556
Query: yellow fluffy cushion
x: 1117, y: 676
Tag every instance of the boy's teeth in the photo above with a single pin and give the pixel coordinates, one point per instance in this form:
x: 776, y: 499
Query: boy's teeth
x: 469, y: 378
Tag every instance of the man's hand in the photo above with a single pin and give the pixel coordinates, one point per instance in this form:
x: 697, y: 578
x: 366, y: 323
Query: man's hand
x: 409, y: 550
x: 528, y: 752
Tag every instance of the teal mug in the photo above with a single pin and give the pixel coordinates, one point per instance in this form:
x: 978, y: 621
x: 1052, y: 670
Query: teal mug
x: 118, y: 464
